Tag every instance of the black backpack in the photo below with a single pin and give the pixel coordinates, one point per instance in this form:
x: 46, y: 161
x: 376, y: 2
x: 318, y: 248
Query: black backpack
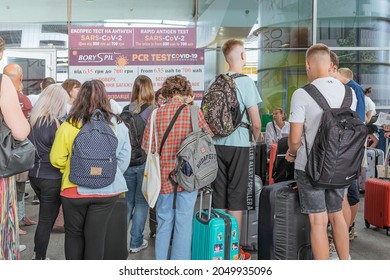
x: 338, y: 147
x: 136, y: 126
x: 93, y: 162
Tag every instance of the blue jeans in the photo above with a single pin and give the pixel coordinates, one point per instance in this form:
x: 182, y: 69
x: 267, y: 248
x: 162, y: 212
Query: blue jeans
x: 179, y: 220
x: 136, y: 203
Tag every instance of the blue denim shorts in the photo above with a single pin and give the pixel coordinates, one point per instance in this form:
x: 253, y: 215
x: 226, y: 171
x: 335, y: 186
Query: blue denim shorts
x: 316, y: 200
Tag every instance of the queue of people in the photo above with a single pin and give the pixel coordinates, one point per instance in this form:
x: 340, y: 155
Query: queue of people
x: 60, y: 113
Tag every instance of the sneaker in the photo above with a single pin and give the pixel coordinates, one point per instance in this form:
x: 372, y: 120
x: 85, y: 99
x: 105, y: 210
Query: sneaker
x: 244, y: 255
x: 330, y: 233
x: 35, y: 200
x: 22, y: 248
x: 140, y: 248
x: 332, y: 252
x: 26, y: 195
x: 352, y: 233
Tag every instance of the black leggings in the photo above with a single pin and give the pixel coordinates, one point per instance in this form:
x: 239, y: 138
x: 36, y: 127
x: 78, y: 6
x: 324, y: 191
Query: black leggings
x: 48, y: 192
x: 86, y: 221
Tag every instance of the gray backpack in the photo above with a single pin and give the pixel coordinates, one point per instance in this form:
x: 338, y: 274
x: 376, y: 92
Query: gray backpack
x: 196, y: 160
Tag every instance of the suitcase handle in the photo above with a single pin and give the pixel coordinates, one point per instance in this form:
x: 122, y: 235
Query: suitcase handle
x: 200, y: 216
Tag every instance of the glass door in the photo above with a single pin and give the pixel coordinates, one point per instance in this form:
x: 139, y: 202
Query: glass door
x: 36, y: 64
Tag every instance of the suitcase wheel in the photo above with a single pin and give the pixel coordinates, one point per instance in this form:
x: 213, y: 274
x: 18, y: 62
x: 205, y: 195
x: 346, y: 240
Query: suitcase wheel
x: 367, y: 224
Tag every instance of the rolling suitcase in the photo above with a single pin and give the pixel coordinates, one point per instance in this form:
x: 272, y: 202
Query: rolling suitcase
x: 377, y: 199
x: 215, y: 234
x: 250, y: 218
x: 284, y: 232
x: 374, y: 157
x: 115, y: 245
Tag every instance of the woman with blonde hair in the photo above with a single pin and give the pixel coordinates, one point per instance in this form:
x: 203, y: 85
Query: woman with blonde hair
x: 142, y: 104
x: 45, y: 179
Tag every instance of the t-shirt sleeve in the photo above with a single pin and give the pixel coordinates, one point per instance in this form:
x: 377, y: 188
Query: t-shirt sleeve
x: 298, y: 106
x: 250, y: 94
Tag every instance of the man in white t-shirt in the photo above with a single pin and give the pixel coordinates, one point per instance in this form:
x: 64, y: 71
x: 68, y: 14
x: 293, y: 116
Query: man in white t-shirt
x: 320, y: 204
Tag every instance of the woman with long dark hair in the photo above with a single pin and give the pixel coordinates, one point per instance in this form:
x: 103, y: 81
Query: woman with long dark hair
x: 88, y: 210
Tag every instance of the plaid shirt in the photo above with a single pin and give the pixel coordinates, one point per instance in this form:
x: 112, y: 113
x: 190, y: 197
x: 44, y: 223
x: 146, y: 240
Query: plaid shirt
x: 176, y: 136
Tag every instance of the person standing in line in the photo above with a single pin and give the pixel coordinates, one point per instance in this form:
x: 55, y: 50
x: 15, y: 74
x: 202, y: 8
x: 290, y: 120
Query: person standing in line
x: 43, y: 84
x: 370, y: 105
x: 276, y: 129
x: 13, y: 117
x: 44, y: 178
x: 142, y: 103
x: 351, y: 198
x: 15, y: 73
x: 177, y: 91
x: 87, y: 210
x: 322, y: 205
x: 72, y: 87
x: 230, y: 186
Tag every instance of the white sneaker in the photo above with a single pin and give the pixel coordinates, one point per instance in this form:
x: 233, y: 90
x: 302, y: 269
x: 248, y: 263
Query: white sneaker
x: 140, y: 248
x: 22, y: 248
x: 332, y: 252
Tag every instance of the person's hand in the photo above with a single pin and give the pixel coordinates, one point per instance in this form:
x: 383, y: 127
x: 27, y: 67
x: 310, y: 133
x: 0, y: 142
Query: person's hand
x: 290, y: 157
x: 386, y: 128
x: 261, y: 137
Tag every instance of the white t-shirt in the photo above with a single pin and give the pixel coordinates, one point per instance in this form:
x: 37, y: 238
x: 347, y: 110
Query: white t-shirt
x: 33, y: 98
x: 369, y: 105
x: 272, y: 136
x: 305, y: 110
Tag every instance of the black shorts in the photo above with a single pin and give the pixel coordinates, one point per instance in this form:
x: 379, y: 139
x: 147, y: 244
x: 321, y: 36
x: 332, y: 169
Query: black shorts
x: 353, y: 194
x: 230, y: 186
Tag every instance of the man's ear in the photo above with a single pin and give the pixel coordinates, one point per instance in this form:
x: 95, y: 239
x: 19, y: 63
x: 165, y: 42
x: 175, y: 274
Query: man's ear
x: 307, y: 65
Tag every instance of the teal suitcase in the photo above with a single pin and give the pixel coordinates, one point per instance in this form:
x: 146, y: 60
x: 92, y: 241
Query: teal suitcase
x: 215, y: 234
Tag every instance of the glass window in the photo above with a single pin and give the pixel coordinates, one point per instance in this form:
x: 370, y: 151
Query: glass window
x: 352, y: 23
x: 371, y: 69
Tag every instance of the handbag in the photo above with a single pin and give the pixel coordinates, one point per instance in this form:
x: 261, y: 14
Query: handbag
x: 15, y: 156
x: 151, y: 184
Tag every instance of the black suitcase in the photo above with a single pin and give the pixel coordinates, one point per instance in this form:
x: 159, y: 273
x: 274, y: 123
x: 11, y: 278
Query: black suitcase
x: 284, y: 232
x: 115, y: 246
x: 261, y: 161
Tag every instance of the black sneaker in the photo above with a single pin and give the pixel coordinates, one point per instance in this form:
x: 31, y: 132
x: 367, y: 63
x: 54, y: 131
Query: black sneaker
x: 35, y: 200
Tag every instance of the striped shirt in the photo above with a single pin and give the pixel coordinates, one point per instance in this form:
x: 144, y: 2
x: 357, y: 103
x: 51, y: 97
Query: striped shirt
x: 176, y: 136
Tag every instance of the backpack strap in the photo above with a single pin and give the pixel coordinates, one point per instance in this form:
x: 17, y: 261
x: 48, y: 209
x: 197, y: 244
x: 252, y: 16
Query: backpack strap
x: 194, y: 117
x: 195, y: 127
x: 313, y: 91
x: 170, y: 126
x: 347, y: 101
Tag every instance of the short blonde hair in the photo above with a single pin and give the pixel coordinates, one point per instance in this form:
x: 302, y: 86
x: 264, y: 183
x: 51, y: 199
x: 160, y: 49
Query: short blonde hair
x: 229, y: 45
x: 317, y: 49
x: 346, y: 73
